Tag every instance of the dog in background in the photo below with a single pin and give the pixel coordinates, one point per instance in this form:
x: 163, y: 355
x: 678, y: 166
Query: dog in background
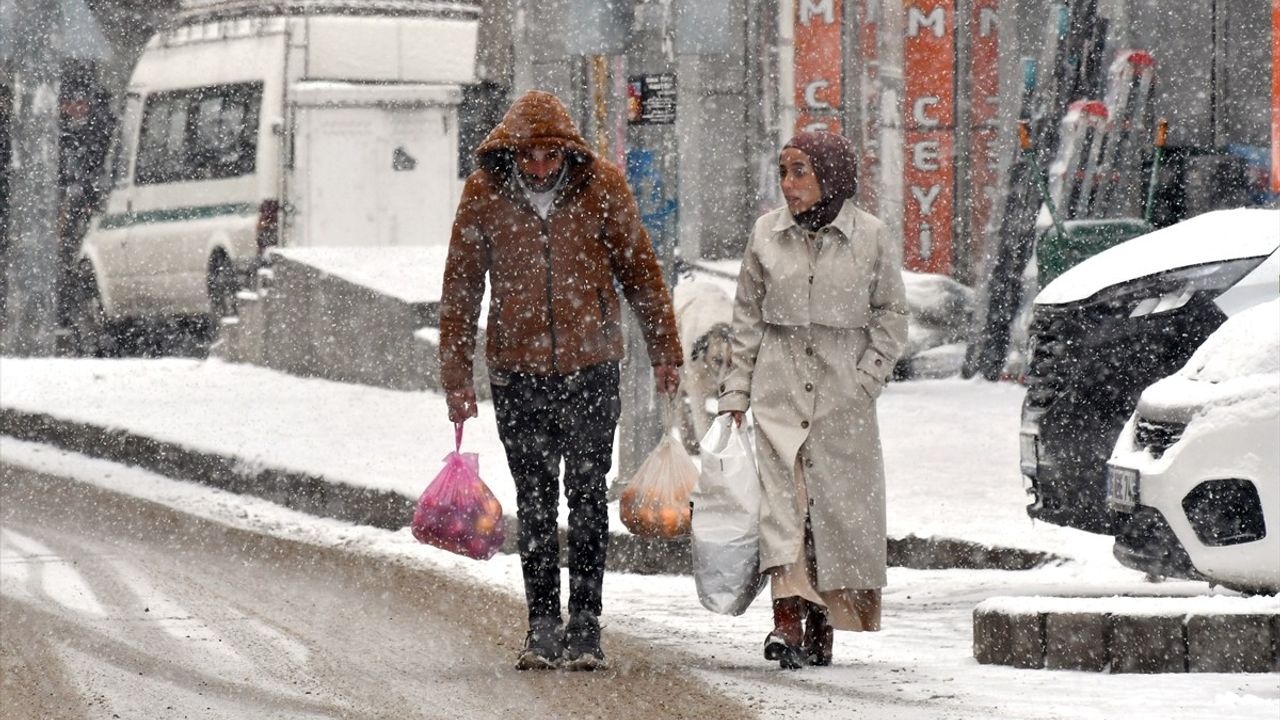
x: 704, y: 317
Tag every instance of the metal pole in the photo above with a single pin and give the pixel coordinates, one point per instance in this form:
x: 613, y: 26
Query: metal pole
x: 961, y: 231
x: 651, y: 170
x: 30, y: 261
x: 1162, y: 132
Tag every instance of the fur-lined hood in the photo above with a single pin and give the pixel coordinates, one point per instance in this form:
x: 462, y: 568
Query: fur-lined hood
x: 535, y: 118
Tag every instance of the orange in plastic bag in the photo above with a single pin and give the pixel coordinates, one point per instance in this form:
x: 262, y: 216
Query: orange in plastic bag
x: 655, y: 504
x: 457, y: 512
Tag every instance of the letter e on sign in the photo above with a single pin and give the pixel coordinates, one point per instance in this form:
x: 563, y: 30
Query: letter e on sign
x: 924, y: 155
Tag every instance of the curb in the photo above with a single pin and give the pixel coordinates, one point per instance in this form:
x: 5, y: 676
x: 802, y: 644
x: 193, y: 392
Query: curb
x: 388, y: 510
x: 1039, y: 633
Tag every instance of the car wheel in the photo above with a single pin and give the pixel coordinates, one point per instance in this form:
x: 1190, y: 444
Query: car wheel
x: 92, y: 334
x: 222, y: 289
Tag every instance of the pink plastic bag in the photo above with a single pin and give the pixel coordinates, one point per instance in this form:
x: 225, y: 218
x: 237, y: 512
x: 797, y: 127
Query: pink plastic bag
x: 457, y: 512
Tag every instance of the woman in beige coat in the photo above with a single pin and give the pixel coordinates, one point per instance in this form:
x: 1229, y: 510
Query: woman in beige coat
x: 819, y: 319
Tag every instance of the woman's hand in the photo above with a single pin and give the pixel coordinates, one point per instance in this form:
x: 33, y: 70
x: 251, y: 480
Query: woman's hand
x: 736, y: 415
x: 666, y: 379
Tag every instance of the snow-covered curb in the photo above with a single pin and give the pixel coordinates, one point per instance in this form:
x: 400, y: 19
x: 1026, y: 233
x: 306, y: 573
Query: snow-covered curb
x: 1130, y: 634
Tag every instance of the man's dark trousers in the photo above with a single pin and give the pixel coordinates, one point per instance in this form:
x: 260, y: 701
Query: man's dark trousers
x: 542, y: 420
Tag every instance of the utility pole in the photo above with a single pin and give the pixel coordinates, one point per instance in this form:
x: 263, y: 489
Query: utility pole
x: 651, y: 172
x: 30, y: 261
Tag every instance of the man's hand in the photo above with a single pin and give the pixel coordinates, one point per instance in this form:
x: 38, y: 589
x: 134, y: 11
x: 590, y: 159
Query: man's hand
x: 737, y: 416
x: 462, y: 404
x: 666, y: 378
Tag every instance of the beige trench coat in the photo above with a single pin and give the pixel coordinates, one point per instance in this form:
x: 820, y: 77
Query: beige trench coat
x: 814, y: 341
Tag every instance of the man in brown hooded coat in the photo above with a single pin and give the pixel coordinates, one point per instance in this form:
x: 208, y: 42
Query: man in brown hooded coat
x: 557, y: 231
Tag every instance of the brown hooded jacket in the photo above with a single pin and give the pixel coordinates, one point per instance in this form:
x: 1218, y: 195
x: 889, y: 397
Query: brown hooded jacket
x: 553, y: 305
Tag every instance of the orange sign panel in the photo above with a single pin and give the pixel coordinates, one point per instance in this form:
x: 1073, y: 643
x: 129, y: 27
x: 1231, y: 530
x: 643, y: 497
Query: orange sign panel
x: 819, y: 90
x: 929, y: 119
x: 984, y: 80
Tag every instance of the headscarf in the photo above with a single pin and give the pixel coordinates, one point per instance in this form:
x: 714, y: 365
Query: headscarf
x: 836, y: 166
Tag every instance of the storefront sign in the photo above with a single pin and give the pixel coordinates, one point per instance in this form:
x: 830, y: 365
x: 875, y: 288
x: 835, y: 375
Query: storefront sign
x: 819, y: 89
x: 929, y: 117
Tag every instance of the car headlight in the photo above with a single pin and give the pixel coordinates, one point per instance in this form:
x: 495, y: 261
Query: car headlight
x: 1171, y: 290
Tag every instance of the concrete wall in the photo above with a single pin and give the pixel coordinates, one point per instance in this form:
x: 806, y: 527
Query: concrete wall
x: 307, y: 323
x: 726, y: 125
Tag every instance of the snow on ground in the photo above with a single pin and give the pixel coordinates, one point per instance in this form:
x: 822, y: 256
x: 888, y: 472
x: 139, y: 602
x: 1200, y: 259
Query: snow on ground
x: 951, y: 458
x: 940, y: 482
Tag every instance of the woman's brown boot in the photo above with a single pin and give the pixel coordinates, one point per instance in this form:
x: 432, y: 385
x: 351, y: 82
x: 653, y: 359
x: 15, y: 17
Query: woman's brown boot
x: 819, y: 636
x: 784, y: 643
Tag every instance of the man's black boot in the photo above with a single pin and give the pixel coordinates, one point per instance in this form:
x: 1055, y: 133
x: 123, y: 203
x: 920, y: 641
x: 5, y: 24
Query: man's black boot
x: 543, y: 646
x: 582, y: 643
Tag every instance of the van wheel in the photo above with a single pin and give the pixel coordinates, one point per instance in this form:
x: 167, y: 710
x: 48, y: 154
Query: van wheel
x: 222, y: 289
x: 91, y: 332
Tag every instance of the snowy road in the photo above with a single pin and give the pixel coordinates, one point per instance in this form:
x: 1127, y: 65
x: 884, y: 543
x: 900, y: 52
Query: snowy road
x: 951, y: 453
x: 114, y: 607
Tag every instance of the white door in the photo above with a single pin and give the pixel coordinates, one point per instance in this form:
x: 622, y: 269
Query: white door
x: 372, y: 176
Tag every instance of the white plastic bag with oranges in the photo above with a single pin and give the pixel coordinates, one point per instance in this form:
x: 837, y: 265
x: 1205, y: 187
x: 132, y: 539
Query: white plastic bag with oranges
x: 655, y: 504
x: 726, y: 521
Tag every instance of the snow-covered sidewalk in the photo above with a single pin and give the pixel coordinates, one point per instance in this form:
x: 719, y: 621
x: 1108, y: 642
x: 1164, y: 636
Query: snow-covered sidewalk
x: 950, y: 446
x: 951, y: 462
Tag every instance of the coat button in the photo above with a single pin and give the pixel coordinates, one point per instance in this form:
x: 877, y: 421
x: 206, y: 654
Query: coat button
x: 804, y: 423
x: 808, y: 462
x: 808, y: 386
x: 721, y: 388
x: 877, y: 362
x: 808, y: 351
x: 810, y: 279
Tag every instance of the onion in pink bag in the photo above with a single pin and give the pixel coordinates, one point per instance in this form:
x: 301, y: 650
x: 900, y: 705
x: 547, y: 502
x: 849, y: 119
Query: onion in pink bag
x: 457, y: 512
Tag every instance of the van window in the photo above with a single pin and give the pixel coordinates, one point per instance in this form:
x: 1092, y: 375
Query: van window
x: 206, y: 133
x: 125, y: 144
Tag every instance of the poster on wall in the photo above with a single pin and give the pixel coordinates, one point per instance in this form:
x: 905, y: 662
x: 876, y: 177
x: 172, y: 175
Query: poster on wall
x: 651, y: 99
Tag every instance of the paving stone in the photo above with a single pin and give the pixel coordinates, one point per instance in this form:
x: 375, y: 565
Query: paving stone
x: 1229, y: 643
x: 991, y: 637
x: 1009, y: 639
x: 1026, y: 640
x: 1076, y: 641
x: 1275, y: 643
x: 1147, y: 644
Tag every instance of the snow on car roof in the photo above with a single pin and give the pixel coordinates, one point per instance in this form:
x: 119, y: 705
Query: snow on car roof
x: 1234, y: 375
x: 1215, y: 236
x: 1246, y: 344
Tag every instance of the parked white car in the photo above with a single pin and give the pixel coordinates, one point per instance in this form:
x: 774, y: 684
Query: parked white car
x: 1106, y: 329
x: 1198, y: 464
x: 253, y: 125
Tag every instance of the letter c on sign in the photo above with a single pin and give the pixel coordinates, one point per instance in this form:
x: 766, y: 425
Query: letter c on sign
x: 811, y: 95
x: 919, y: 110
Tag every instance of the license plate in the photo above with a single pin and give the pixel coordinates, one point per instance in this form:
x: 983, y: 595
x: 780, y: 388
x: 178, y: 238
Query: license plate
x: 1030, y: 452
x: 1122, y: 488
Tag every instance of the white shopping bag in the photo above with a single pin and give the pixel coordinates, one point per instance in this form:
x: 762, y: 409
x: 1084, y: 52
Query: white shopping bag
x: 726, y: 521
